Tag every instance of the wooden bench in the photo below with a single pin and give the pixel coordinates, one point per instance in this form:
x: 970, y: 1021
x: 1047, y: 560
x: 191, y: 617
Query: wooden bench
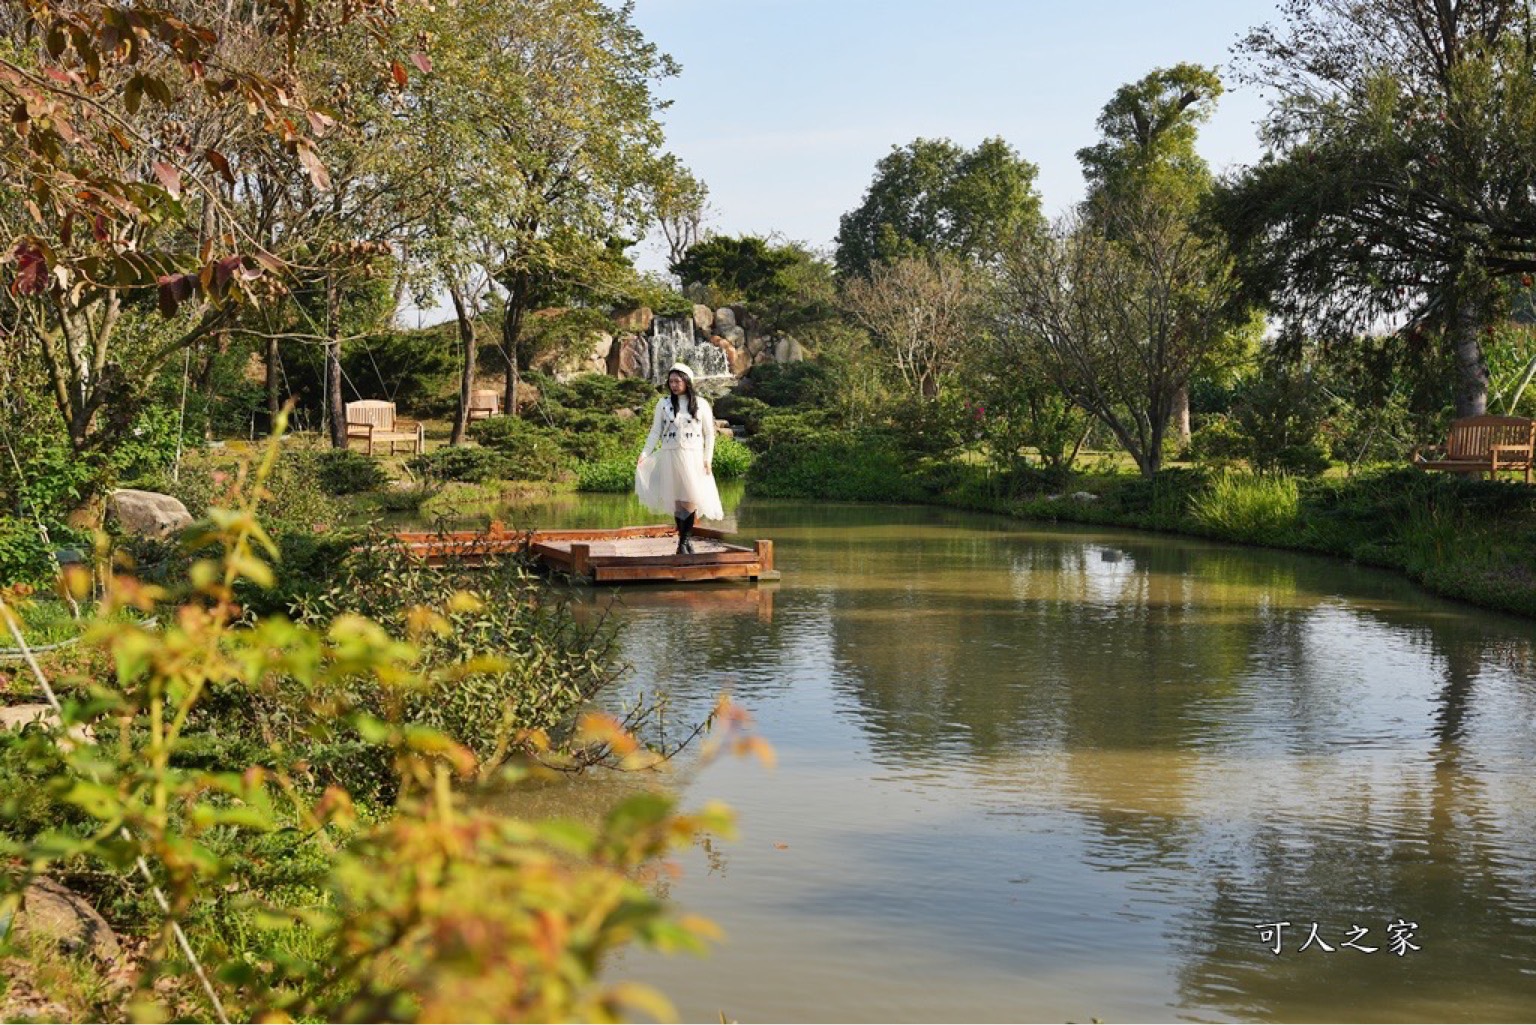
x: 373, y: 421
x: 1483, y: 444
x: 484, y: 404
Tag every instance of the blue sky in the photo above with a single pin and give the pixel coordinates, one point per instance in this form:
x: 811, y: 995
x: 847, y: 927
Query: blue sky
x: 784, y: 106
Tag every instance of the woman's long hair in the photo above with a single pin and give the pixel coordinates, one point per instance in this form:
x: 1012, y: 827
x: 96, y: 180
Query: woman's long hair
x: 693, y: 400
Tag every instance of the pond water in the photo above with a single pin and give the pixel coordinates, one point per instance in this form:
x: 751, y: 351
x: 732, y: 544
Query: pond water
x: 1032, y: 773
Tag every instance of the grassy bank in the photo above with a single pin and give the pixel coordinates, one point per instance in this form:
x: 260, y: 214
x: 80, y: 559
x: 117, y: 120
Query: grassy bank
x: 1472, y: 540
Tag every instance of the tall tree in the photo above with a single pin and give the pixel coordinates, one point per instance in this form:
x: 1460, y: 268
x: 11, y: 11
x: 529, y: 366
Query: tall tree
x: 463, y: 160
x: 680, y: 203
x: 582, y: 143
x: 934, y: 197
x: 1118, y: 310
x: 1398, y: 178
x: 120, y: 170
x: 921, y: 311
x: 1149, y: 129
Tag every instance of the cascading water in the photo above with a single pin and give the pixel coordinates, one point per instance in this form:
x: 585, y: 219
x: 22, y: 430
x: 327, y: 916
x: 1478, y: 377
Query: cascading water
x: 672, y: 341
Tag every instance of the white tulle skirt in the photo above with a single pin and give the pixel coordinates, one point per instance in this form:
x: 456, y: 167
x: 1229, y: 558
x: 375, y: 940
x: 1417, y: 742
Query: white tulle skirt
x: 672, y: 475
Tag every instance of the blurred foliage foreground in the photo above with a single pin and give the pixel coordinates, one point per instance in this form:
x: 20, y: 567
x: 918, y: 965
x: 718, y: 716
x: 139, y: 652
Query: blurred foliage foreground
x: 272, y: 810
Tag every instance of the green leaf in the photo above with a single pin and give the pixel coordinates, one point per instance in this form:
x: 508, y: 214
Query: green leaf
x: 133, y: 94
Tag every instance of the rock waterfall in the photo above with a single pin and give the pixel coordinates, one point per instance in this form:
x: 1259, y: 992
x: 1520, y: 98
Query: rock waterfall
x: 672, y: 341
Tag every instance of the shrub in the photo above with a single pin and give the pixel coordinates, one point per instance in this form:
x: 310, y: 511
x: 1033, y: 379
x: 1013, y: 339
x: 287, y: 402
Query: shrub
x: 742, y: 410
x: 53, y: 480
x: 468, y: 465
x: 1246, y: 507
x: 589, y: 435
x: 298, y: 501
x: 347, y: 472
x: 932, y: 427
x: 305, y: 903
x: 530, y: 450
x: 150, y: 445
x: 599, y: 392
x: 1218, y: 441
x: 844, y: 465
x: 615, y: 475
x: 732, y: 459
x: 1281, y: 415
x: 791, y: 384
x: 24, y: 558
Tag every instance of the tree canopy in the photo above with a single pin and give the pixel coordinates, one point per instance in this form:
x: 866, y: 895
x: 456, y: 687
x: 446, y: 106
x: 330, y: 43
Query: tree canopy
x: 1148, y: 131
x: 782, y: 283
x: 934, y: 197
x: 132, y: 136
x: 1398, y: 178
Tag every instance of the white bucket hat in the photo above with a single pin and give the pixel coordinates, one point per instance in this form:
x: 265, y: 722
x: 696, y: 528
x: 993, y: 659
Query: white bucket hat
x: 682, y: 368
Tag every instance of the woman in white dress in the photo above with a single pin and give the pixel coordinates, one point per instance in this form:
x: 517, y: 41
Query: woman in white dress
x: 680, y: 478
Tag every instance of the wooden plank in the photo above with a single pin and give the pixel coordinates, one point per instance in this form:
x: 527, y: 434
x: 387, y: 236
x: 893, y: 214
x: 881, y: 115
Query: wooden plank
x: 698, y: 559
x: 600, y: 554
x: 549, y: 554
x: 614, y: 574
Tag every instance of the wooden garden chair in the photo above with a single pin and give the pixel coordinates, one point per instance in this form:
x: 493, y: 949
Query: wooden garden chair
x: 373, y: 421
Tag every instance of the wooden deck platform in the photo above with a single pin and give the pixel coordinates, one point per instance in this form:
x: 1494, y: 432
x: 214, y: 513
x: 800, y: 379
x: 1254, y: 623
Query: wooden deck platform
x: 606, y: 556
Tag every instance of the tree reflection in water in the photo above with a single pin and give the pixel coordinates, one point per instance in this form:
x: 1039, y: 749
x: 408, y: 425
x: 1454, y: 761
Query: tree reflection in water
x: 1144, y: 748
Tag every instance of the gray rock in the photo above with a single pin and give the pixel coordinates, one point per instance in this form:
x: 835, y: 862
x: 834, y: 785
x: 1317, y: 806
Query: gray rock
x: 1084, y: 497
x: 50, y: 910
x: 148, y: 513
x: 788, y: 351
x: 703, y: 318
x: 725, y: 319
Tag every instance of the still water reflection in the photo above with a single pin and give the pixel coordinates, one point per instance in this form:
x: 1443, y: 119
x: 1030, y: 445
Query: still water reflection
x: 1032, y: 773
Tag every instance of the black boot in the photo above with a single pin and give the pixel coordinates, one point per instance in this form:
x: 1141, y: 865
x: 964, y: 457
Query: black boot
x: 684, y: 529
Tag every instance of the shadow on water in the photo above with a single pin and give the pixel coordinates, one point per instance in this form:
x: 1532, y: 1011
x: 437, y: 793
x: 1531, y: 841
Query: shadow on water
x: 1048, y: 773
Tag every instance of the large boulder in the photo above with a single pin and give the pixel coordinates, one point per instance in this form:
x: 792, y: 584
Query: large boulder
x: 735, y: 335
x: 788, y: 351
x: 602, y: 345
x: 735, y: 356
x: 635, y: 321
x: 703, y: 319
x: 634, y: 357
x: 725, y: 319
x: 148, y: 513
x: 50, y: 910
